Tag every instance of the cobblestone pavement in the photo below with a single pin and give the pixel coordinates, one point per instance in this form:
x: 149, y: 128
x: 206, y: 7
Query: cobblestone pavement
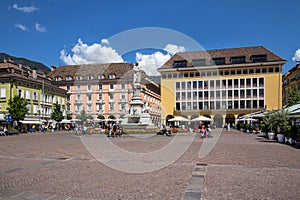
x: 57, y: 166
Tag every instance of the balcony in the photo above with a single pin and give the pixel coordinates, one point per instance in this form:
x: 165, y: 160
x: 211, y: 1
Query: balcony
x: 122, y: 101
x: 100, y: 101
x: 78, y: 101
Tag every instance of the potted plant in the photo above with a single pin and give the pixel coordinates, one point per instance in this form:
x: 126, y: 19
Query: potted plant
x: 269, y: 125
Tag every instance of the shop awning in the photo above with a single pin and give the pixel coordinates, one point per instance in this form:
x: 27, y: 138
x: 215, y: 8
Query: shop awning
x: 30, y: 122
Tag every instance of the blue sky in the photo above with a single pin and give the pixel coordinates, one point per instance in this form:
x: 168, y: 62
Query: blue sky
x: 59, y: 32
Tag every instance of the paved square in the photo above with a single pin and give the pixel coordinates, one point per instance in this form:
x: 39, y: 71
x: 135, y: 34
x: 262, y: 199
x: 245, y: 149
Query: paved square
x: 58, y: 166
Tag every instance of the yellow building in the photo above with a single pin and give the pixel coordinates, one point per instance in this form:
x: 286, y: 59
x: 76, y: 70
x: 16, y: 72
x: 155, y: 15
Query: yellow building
x: 32, y: 86
x: 291, y: 80
x: 222, y: 84
x: 104, y: 89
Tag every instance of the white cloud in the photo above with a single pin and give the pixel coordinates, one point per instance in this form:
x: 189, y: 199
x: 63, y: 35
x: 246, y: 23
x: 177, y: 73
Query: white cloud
x: 87, y: 54
x: 172, y: 48
x: 40, y: 28
x: 104, y: 42
x: 151, y: 62
x: 26, y: 9
x: 22, y: 27
x: 297, y: 56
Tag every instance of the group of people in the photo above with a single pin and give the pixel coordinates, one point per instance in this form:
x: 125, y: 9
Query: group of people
x: 204, y: 130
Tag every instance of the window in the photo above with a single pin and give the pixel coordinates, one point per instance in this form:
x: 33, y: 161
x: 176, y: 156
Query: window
x: 89, y: 87
x: 35, y: 96
x: 183, y: 96
x: 254, y: 82
x: 226, y: 72
x: 259, y: 58
x: 68, y: 78
x: 261, y: 82
x: 100, y: 86
x: 186, y: 75
x: 242, y: 83
x: 237, y: 60
x: 169, y: 75
x: 111, y: 86
x: 183, y: 104
x: 194, y: 85
x: 238, y: 72
x: 208, y: 73
x: 276, y: 69
x: 236, y: 83
x: 264, y: 70
x: 174, y: 75
x: 90, y: 77
x: 192, y: 75
x: 177, y: 106
x: 211, y: 84
x: 251, y: 71
x: 111, y: 96
x: 189, y: 85
x: 78, y: 87
x: 111, y: 76
x: 236, y: 104
x: 27, y: 94
x: 89, y: 97
x: 163, y: 76
x: 177, y: 85
x: 177, y: 96
x: 245, y: 71
x: 198, y: 62
x: 232, y: 72
x: 257, y: 70
x: 21, y: 93
x: 203, y: 74
x: 122, y: 86
x: 57, y: 78
x: 197, y: 74
x: 68, y: 88
x: 248, y: 82
x: 218, y: 61
x: 200, y: 84
x: 99, y: 76
x: 183, y: 85
x: 271, y: 69
x: 180, y: 63
x: 2, y: 93
x: 111, y: 106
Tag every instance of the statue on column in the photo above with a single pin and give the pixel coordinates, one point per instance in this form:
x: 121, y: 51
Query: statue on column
x: 136, y: 73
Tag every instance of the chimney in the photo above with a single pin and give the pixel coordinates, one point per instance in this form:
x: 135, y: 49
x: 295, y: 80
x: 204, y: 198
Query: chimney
x: 53, y: 68
x: 34, y: 74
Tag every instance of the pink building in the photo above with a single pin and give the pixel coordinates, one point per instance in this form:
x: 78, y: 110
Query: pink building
x: 104, y: 89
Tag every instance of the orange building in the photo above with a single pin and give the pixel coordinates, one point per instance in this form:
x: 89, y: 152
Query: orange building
x: 104, y: 89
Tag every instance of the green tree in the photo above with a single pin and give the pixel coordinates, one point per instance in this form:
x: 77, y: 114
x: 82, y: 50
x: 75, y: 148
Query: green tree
x: 83, y: 117
x: 17, y: 108
x: 294, y: 97
x: 57, y: 114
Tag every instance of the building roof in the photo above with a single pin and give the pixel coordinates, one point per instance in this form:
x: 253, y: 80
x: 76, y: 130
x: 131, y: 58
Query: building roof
x: 119, y: 69
x: 227, y: 54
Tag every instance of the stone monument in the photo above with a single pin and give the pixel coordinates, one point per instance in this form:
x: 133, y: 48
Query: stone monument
x: 137, y: 118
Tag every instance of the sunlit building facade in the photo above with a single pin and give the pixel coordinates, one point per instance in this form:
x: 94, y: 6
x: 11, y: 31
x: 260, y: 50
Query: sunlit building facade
x: 291, y: 80
x: 222, y: 84
x: 34, y: 86
x: 104, y: 89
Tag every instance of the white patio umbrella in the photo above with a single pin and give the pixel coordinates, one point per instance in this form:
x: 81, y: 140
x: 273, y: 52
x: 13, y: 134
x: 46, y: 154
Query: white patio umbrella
x: 179, y: 119
x: 202, y: 118
x: 247, y: 119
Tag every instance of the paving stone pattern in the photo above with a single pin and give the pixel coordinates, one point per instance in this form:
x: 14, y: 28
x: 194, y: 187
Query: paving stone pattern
x: 57, y: 166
